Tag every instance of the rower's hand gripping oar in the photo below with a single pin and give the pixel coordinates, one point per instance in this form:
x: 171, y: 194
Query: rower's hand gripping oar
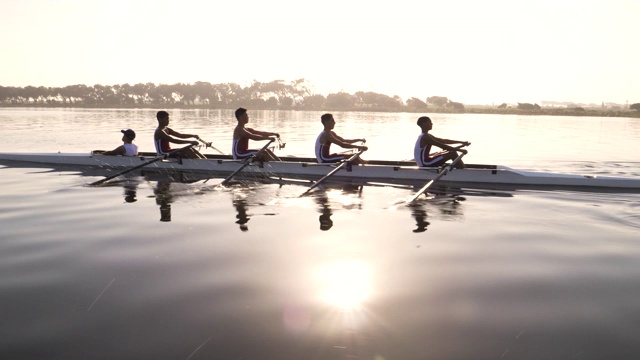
x: 208, y: 144
x: 246, y: 162
x: 157, y: 158
x: 281, y: 144
x: 344, y: 163
x: 444, y: 172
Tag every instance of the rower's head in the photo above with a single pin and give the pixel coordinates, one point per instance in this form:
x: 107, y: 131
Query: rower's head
x: 128, y: 135
x: 242, y: 116
x: 328, y: 121
x: 425, y: 123
x: 163, y: 118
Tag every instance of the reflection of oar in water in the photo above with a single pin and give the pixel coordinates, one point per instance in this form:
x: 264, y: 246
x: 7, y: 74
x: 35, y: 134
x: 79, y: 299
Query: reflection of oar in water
x: 348, y: 161
x: 444, y: 172
x: 246, y: 163
x: 157, y: 158
x: 208, y: 144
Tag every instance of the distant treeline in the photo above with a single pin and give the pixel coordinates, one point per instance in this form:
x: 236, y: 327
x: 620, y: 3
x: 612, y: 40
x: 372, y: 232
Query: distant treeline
x: 274, y: 95
x: 277, y: 94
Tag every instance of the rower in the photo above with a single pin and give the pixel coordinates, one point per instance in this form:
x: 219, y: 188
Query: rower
x: 165, y: 135
x: 328, y: 137
x: 242, y: 135
x: 425, y: 141
x: 127, y: 148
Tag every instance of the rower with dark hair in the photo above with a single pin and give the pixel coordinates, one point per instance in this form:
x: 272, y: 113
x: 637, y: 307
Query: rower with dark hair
x: 242, y: 135
x: 328, y: 137
x: 165, y: 135
x: 425, y: 141
x: 128, y: 148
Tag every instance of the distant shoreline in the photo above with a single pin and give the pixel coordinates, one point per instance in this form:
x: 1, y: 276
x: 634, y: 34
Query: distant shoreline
x: 469, y: 109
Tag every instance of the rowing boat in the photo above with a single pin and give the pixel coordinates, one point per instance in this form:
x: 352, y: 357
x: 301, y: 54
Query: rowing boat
x: 474, y: 175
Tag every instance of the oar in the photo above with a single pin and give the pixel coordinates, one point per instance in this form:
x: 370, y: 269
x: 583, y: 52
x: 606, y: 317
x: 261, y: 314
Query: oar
x: 442, y: 173
x: 157, y: 158
x: 349, y: 160
x: 208, y: 144
x: 245, y: 163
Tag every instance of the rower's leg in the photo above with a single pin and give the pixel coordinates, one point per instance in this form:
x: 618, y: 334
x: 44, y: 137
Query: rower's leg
x: 452, y: 156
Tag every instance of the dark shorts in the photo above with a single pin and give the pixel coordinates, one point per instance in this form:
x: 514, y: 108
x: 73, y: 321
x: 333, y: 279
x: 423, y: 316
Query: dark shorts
x: 333, y: 158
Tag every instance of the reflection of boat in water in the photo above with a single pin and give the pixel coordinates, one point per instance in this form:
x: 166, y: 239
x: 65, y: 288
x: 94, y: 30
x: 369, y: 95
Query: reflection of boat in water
x: 251, y: 199
x: 307, y: 168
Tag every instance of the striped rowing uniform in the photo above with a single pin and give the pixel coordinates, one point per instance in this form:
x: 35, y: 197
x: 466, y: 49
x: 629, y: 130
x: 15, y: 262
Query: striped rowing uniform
x: 130, y: 149
x: 423, y: 157
x: 240, y: 148
x: 162, y: 146
x: 323, y: 153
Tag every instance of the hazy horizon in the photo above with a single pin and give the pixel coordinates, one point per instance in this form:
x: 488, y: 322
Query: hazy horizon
x: 542, y: 102
x: 492, y: 52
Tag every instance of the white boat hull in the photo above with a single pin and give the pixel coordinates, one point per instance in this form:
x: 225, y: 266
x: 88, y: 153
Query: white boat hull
x: 304, y: 168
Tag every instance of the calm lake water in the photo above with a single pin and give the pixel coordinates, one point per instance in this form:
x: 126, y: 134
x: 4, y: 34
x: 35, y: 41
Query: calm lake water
x: 149, y: 268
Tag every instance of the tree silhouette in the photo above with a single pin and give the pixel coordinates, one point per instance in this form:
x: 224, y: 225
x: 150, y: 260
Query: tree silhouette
x: 314, y: 102
x: 416, y: 104
x: 340, y: 101
x: 439, y: 101
x: 276, y: 94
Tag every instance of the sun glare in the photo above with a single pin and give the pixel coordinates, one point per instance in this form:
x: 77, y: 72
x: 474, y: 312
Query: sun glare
x: 345, y: 285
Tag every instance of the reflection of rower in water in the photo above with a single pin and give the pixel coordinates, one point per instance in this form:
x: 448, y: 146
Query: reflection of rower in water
x: 446, y: 204
x: 243, y: 217
x: 420, y: 214
x: 164, y: 199
x: 325, y: 210
x: 321, y: 197
x: 130, y: 192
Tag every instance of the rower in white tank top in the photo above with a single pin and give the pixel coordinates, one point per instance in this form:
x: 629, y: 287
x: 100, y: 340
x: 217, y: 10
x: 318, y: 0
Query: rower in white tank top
x: 421, y: 151
x: 127, y: 148
x: 323, y: 151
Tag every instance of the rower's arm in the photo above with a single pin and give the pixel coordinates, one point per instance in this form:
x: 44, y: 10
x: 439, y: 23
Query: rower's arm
x: 117, y: 151
x: 163, y: 135
x: 179, y: 135
x: 447, y: 141
x: 441, y: 143
x: 341, y: 139
x: 347, y: 144
x: 256, y: 135
x: 262, y: 133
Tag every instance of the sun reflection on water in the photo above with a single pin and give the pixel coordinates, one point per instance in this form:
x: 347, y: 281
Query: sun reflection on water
x: 346, y: 285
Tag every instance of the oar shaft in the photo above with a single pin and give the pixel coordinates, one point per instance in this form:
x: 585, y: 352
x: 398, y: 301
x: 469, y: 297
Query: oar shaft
x: 157, y: 158
x: 442, y: 173
x: 349, y: 160
x: 246, y: 163
x: 211, y: 146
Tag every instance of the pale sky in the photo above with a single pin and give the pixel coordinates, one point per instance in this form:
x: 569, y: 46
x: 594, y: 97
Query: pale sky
x: 471, y: 51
